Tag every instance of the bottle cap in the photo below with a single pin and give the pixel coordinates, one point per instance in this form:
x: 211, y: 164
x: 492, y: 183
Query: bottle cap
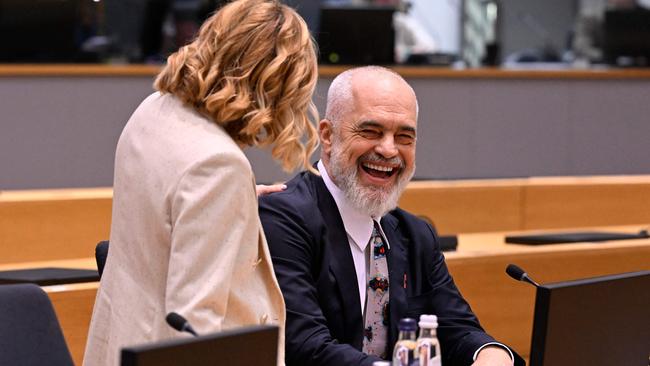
x: 407, y: 324
x: 428, y: 321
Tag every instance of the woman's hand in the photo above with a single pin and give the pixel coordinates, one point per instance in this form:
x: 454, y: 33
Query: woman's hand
x: 263, y: 189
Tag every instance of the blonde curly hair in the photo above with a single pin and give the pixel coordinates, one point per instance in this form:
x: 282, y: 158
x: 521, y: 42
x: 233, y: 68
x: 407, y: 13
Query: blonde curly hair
x: 252, y: 69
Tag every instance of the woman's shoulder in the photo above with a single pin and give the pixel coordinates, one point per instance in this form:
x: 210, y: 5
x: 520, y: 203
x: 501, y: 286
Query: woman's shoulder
x: 177, y: 137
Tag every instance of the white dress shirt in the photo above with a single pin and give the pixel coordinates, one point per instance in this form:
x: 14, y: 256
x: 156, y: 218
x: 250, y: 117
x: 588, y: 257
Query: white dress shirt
x: 358, y: 227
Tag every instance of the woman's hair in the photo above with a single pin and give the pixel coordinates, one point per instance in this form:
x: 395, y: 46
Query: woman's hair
x: 252, y: 69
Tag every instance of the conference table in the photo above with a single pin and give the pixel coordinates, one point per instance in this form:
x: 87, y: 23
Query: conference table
x: 505, y: 307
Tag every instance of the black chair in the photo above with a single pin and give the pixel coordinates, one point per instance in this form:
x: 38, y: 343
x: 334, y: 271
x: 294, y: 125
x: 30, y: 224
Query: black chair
x: 30, y: 333
x: 101, y: 252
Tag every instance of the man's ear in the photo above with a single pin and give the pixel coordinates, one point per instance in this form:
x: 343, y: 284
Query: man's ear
x: 325, y: 135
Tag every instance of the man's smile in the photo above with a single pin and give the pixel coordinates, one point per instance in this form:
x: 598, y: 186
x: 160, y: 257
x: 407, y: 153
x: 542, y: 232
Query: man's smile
x: 378, y: 171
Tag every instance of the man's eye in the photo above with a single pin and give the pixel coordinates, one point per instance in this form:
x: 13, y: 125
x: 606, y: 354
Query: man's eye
x: 370, y: 133
x: 405, y: 139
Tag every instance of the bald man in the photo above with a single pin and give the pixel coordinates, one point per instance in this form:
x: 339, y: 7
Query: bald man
x: 349, y: 263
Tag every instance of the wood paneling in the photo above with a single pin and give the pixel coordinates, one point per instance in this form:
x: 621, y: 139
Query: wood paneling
x: 466, y: 206
x: 570, y: 202
x: 53, y: 224
x: 74, y: 307
x: 331, y: 71
x: 67, y: 223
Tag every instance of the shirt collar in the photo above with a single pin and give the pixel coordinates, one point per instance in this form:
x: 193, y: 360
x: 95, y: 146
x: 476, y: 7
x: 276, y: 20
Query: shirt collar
x: 358, y: 225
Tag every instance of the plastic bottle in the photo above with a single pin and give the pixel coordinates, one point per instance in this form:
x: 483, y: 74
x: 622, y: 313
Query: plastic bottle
x: 403, y: 354
x: 427, y: 347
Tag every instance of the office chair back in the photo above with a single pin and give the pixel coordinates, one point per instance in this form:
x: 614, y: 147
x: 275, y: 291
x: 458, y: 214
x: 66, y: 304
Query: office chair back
x: 30, y: 333
x: 101, y: 253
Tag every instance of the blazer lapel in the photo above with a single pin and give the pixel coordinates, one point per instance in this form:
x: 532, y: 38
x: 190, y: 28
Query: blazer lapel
x: 341, y: 265
x: 397, y: 268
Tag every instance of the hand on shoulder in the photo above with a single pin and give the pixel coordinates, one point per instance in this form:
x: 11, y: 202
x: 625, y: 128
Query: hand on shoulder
x: 263, y: 189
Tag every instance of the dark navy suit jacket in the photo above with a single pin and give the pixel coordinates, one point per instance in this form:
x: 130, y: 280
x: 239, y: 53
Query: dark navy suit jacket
x: 314, y: 267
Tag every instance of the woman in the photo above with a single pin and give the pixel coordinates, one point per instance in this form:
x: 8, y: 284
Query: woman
x: 185, y: 234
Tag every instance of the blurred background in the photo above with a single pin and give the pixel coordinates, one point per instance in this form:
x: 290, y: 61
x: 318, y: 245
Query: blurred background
x: 506, y: 88
x: 463, y: 33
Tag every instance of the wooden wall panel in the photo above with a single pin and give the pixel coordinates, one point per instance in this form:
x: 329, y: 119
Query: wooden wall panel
x: 67, y: 223
x: 573, y: 202
x: 466, y: 206
x: 53, y: 224
x: 74, y: 307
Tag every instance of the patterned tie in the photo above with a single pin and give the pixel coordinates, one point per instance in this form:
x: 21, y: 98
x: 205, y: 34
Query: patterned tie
x: 376, y: 320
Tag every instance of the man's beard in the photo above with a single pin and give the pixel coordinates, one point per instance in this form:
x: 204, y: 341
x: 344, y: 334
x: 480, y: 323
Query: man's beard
x: 373, y: 200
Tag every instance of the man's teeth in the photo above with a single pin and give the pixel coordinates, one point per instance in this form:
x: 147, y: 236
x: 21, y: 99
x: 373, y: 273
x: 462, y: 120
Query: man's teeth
x: 378, y: 167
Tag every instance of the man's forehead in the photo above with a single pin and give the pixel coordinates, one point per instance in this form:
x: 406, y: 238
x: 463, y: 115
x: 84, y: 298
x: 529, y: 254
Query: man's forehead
x: 396, y: 111
x: 388, y: 91
x: 378, y: 82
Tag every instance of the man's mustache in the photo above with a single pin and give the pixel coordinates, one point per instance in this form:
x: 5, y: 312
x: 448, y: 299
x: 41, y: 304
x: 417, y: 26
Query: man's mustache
x: 376, y: 158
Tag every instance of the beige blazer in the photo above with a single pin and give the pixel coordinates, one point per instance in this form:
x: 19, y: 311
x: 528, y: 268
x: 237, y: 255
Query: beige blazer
x: 185, y: 235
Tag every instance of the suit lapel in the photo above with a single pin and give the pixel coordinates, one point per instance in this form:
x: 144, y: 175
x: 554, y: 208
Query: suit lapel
x: 341, y: 265
x: 397, y: 265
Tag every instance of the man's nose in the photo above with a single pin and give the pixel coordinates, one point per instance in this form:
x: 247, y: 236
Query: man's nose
x: 386, y: 147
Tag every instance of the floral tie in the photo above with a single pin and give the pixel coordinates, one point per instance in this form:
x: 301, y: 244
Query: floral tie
x: 376, y: 318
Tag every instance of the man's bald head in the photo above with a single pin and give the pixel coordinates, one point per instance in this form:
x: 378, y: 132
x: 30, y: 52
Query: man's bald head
x: 340, y: 96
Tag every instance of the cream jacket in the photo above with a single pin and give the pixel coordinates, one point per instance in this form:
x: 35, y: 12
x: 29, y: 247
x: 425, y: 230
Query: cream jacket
x: 185, y: 236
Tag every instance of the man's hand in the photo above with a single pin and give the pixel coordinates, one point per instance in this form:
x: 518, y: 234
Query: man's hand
x: 262, y: 189
x: 493, y: 356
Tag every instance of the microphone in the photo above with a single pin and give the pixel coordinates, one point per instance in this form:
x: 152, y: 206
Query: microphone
x: 179, y: 323
x: 518, y: 274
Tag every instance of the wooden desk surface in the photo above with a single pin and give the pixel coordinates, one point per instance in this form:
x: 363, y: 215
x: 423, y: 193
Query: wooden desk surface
x: 328, y: 71
x: 81, y: 263
x: 493, y: 243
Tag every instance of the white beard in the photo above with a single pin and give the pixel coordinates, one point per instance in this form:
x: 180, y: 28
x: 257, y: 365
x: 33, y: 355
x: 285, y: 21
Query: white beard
x: 375, y: 201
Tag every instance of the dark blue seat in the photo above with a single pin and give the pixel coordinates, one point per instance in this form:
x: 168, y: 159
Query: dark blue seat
x: 101, y: 253
x: 30, y: 333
